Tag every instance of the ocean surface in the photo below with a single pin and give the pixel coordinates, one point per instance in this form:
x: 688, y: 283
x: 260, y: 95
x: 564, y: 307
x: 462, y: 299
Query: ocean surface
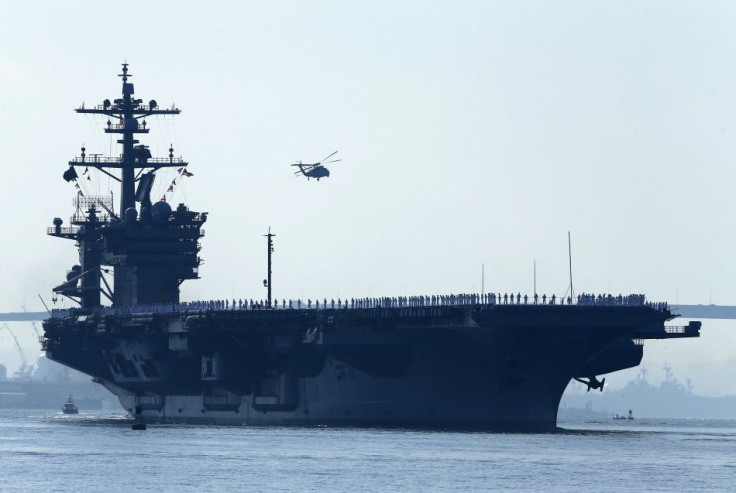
x: 48, y: 451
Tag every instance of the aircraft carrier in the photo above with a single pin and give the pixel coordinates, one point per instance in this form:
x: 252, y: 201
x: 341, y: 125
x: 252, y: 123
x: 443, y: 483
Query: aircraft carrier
x: 481, y: 361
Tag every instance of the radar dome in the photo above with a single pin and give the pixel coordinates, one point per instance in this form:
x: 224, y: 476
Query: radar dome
x: 130, y: 214
x: 161, y: 211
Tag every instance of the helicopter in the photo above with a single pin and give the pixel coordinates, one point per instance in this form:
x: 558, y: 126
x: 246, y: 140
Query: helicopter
x: 316, y: 170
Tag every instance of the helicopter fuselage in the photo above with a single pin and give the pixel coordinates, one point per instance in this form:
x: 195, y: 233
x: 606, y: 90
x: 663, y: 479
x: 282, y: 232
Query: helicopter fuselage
x: 318, y: 172
x: 315, y: 172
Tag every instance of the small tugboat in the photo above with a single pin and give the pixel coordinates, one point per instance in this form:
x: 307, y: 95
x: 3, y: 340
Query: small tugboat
x: 70, y: 407
x: 629, y: 417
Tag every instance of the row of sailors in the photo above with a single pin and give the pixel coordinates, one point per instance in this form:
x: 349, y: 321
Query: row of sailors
x: 422, y: 301
x: 609, y: 300
x: 385, y: 302
x: 628, y: 300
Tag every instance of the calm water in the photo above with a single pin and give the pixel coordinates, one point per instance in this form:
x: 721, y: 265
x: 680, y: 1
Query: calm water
x: 47, y: 451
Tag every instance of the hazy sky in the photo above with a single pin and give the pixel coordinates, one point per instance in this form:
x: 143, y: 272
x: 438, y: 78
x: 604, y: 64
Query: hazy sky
x: 470, y: 133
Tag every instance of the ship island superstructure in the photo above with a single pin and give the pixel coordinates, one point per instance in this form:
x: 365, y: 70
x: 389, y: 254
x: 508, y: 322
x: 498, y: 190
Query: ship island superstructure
x: 485, y: 361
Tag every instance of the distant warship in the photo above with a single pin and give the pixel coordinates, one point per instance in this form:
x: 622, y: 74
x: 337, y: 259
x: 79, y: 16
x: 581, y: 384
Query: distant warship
x: 46, y: 384
x: 482, y: 361
x: 666, y: 399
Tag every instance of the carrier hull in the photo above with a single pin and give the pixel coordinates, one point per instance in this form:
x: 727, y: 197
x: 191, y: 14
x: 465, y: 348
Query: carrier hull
x: 476, y: 367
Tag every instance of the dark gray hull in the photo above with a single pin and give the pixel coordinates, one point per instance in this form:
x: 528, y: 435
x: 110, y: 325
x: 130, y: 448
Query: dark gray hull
x: 479, y: 367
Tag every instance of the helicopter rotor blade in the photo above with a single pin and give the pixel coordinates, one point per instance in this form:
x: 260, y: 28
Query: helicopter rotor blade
x: 306, y: 168
x: 328, y: 157
x: 333, y: 161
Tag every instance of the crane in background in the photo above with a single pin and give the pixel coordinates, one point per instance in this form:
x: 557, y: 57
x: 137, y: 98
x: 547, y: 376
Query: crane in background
x: 25, y: 371
x: 38, y: 334
x: 35, y: 328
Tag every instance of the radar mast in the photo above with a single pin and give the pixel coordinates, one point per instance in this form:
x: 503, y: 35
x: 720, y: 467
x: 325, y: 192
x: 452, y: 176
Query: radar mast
x: 152, y: 249
x: 128, y: 111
